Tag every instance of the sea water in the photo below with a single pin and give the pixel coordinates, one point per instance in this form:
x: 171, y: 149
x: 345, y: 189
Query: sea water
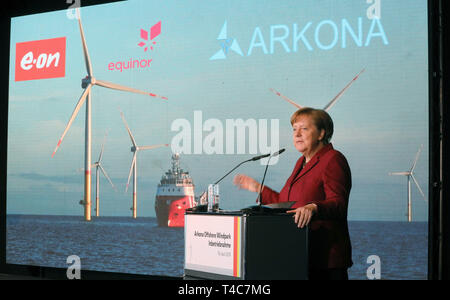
x: 139, y: 246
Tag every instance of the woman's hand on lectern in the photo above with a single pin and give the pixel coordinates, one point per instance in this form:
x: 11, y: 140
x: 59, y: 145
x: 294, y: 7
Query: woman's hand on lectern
x: 303, y: 214
x: 247, y: 183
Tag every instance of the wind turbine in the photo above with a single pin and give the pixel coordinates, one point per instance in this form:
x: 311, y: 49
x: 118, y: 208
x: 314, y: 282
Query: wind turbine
x: 410, y: 174
x: 330, y: 104
x: 98, y: 166
x: 133, y: 169
x: 87, y: 83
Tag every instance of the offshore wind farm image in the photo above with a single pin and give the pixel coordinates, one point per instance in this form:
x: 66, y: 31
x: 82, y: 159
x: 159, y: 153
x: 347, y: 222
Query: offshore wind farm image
x: 201, y: 87
x: 87, y: 83
x: 410, y: 175
x: 330, y: 104
x: 98, y: 167
x: 133, y: 169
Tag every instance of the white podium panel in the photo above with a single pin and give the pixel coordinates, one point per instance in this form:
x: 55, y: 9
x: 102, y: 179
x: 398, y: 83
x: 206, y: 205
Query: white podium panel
x: 248, y: 245
x: 213, y: 244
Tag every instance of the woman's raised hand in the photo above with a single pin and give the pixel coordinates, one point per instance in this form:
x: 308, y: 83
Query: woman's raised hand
x: 247, y: 183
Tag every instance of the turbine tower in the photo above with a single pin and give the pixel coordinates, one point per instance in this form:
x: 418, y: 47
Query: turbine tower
x: 87, y: 83
x: 330, y: 104
x: 133, y: 169
x: 98, y: 166
x: 410, y: 174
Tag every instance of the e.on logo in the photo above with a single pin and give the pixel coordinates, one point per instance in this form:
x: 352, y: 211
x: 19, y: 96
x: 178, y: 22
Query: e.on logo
x: 41, y: 59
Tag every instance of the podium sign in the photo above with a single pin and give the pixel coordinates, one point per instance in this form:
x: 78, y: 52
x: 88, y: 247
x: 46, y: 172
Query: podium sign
x: 213, y: 244
x: 244, y: 245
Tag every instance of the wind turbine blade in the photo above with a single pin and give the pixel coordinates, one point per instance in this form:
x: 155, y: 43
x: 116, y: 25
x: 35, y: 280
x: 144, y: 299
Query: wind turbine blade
x: 103, y: 147
x: 106, y: 175
x: 101, y: 153
x: 417, y: 184
x: 125, y: 89
x: 336, y: 98
x: 128, y: 129
x: 400, y: 173
x: 285, y: 98
x: 153, y: 146
x: 87, y: 59
x: 131, y: 170
x: 74, y: 114
x: 417, y: 158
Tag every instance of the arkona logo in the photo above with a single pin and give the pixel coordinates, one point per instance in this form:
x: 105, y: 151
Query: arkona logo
x: 226, y: 44
x: 324, y: 35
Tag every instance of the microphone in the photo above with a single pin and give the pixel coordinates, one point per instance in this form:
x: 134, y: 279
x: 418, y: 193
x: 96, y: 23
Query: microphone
x: 278, y: 152
x: 251, y: 159
x: 202, y: 207
x: 259, y: 157
x: 265, y: 171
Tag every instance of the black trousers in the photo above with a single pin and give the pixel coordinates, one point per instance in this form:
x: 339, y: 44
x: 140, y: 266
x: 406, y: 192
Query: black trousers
x: 328, y: 274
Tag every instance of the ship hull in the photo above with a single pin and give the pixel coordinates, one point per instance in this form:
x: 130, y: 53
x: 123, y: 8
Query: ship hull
x: 170, y: 210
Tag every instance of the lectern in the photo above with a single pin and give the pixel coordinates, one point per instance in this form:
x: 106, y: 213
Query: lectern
x: 248, y: 244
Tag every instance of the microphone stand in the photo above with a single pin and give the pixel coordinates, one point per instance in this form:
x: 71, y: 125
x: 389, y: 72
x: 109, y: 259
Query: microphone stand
x: 251, y: 159
x: 232, y: 170
x: 264, y: 177
x: 262, y: 183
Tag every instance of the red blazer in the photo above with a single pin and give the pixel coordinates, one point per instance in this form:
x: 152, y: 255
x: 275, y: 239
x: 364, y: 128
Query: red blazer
x: 325, y: 181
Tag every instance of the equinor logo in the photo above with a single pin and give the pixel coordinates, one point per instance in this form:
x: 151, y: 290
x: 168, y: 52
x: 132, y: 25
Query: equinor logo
x: 155, y: 30
x: 310, y: 36
x: 147, y: 41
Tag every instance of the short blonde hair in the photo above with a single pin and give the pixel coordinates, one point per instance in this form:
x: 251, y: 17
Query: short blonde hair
x: 320, y: 118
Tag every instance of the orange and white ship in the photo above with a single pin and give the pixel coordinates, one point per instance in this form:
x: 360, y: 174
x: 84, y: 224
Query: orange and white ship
x: 175, y: 194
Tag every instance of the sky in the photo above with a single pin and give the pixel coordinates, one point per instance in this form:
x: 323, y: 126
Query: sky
x: 380, y: 122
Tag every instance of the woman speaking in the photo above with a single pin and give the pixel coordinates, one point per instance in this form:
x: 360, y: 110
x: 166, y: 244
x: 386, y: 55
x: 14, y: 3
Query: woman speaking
x: 320, y: 187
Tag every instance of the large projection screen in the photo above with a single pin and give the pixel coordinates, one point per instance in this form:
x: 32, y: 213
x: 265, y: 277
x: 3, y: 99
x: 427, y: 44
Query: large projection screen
x: 215, y: 83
